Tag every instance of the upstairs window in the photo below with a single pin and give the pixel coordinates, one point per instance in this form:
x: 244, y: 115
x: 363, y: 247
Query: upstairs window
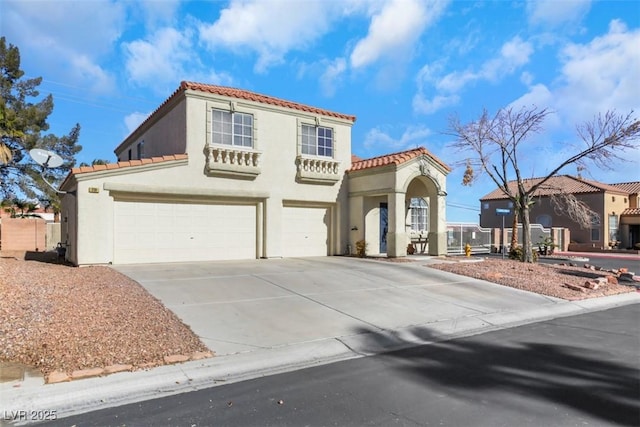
x: 232, y: 128
x: 140, y: 149
x: 317, y: 141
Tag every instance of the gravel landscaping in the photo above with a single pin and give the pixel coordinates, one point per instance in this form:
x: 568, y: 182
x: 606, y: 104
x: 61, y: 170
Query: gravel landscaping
x: 556, y: 280
x: 65, y: 320
x: 71, y: 322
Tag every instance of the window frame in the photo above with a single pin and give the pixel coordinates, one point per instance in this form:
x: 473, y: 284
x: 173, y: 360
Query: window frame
x: 595, y: 228
x: 324, y: 140
x: 614, y: 220
x: 238, y: 128
x: 420, y: 212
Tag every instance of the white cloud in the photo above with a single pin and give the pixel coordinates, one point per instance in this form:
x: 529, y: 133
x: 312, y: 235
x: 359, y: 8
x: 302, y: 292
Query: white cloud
x: 513, y: 55
x: 97, y: 79
x: 595, y: 77
x: 164, y: 59
x: 424, y: 105
x: 395, y: 30
x: 133, y: 120
x: 159, y: 60
x: 261, y: 27
x: 54, y: 35
x: 602, y: 74
x: 412, y: 136
x: 554, y: 13
x: 156, y: 12
x: 331, y: 77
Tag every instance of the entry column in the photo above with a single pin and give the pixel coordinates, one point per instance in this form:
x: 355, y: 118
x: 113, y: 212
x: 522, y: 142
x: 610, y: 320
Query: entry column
x: 397, y: 235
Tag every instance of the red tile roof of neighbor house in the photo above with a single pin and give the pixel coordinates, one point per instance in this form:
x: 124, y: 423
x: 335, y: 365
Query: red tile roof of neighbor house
x: 631, y: 187
x: 566, y: 183
x: 630, y: 212
x: 127, y: 164
x: 395, y: 158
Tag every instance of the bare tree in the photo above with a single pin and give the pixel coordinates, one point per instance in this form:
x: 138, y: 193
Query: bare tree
x: 494, y: 143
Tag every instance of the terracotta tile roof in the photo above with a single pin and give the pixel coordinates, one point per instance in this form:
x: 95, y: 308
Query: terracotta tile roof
x: 631, y: 212
x: 355, y: 158
x: 395, y: 158
x: 240, y: 94
x: 567, y: 183
x: 127, y: 164
x: 256, y: 97
x: 631, y: 187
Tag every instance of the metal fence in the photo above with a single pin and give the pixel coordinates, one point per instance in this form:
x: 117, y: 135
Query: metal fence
x: 482, y: 239
x: 459, y: 234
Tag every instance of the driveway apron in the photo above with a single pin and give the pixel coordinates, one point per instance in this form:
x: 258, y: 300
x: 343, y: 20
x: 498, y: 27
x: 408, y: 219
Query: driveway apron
x: 242, y: 306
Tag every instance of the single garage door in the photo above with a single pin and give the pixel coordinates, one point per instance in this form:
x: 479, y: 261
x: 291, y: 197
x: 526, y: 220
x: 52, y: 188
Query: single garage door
x: 305, y: 231
x: 176, y: 232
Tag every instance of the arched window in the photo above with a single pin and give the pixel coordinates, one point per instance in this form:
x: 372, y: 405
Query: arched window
x: 419, y: 214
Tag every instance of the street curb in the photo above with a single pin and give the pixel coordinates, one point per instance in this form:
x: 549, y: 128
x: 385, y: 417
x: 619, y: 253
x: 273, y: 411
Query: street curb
x: 73, y: 398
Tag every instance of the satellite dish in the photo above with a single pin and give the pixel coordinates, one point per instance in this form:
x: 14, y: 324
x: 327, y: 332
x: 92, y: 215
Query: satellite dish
x: 46, y: 158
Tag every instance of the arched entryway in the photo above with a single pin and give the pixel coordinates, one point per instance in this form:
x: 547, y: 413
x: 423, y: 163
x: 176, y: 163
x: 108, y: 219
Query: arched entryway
x: 398, y: 203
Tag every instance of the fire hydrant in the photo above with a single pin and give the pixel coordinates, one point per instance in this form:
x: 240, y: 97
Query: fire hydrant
x: 467, y: 249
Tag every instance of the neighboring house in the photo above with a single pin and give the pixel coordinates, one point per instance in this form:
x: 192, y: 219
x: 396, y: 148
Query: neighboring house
x: 217, y: 173
x: 629, y: 233
x: 617, y: 222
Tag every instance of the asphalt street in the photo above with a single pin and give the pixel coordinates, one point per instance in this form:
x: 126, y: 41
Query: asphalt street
x: 579, y: 370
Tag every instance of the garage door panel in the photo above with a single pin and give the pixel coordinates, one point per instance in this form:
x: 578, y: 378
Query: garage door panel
x: 305, y: 231
x: 166, y: 232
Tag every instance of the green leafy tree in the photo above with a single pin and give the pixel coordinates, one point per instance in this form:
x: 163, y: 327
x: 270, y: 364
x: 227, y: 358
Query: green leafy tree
x: 495, y: 144
x: 23, y: 121
x: 95, y: 162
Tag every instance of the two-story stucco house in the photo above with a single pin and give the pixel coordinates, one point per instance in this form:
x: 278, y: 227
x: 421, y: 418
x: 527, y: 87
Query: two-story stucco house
x: 217, y: 173
x: 616, y: 223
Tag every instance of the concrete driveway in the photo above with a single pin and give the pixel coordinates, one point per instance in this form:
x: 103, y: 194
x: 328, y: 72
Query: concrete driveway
x: 243, y: 306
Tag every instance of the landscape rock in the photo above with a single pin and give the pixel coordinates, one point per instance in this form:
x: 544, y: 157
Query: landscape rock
x: 176, y: 358
x: 57, y: 377
x: 575, y: 288
x: 86, y: 373
x: 112, y: 369
x: 612, y: 280
x: 493, y: 276
x: 591, y: 284
x: 626, y: 277
x: 198, y: 355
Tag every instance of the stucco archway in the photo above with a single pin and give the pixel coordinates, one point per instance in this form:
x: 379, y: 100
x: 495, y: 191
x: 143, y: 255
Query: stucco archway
x: 381, y: 191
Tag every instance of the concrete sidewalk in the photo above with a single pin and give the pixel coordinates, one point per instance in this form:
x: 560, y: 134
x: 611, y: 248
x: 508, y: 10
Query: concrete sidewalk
x: 264, y: 317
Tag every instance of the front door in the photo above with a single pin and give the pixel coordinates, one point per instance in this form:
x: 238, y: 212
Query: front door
x: 384, y: 226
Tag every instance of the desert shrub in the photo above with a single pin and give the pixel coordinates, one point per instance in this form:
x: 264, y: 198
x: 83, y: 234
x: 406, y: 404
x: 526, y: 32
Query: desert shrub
x: 361, y: 248
x: 517, y: 253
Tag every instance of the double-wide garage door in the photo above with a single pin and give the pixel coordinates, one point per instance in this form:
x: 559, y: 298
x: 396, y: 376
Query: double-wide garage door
x: 175, y: 232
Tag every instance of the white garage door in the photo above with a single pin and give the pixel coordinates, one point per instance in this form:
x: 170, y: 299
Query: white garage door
x: 175, y: 232
x: 305, y: 231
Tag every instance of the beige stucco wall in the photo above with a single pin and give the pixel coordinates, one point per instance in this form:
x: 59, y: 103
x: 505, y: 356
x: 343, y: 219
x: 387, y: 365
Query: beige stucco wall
x: 397, y: 184
x: 276, y: 138
x: 162, y: 135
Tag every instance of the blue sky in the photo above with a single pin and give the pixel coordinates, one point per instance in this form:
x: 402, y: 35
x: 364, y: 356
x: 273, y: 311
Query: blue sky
x: 403, y: 67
